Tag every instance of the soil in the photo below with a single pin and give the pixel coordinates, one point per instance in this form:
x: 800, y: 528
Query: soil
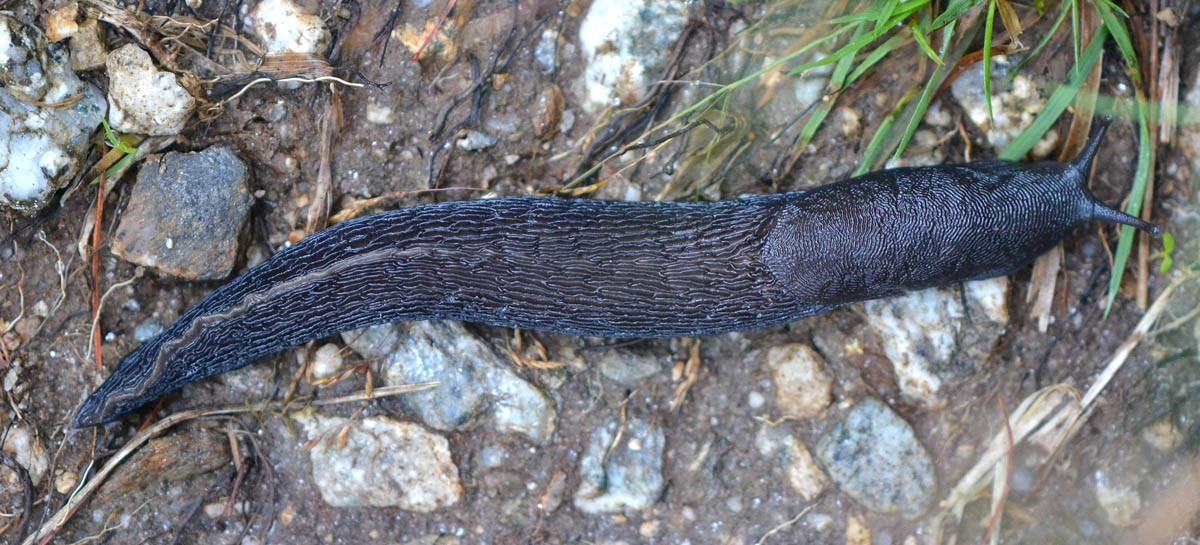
x: 719, y: 488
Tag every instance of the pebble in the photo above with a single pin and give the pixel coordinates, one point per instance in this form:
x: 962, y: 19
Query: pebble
x: 43, y: 147
x: 286, y: 28
x: 548, y: 112
x: 1121, y: 502
x: 625, y: 477
x: 625, y: 44
x: 928, y: 340
x: 874, y: 457
x: 327, y: 360
x: 628, y: 367
x: 26, y: 448
x: 147, y: 330
x: 473, y: 140
x: 1014, y: 107
x: 1163, y: 435
x: 803, y: 385
x: 786, y: 451
x: 474, y: 381
x: 857, y: 532
x: 185, y: 214
x: 384, y: 463
x: 144, y: 100
x: 87, y: 47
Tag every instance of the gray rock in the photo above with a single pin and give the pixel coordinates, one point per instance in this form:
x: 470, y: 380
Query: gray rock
x: 929, y: 340
x: 627, y: 477
x: 628, y: 367
x: 474, y: 380
x: 185, y: 213
x: 384, y: 463
x: 874, y: 457
x: 41, y: 146
x: 475, y: 140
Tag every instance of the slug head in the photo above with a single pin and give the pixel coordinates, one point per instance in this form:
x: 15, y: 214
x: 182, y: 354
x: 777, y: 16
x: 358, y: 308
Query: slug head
x: 1081, y: 168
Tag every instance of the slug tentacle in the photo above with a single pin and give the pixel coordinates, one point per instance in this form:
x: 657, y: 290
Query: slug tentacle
x: 623, y: 269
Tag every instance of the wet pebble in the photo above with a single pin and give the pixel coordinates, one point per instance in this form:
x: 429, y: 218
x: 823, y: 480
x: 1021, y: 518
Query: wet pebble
x: 929, y: 341
x: 43, y: 147
x: 625, y: 44
x: 874, y: 457
x: 473, y: 140
x: 384, y: 463
x: 474, y: 380
x: 803, y: 384
x: 185, y: 214
x: 143, y: 99
x: 627, y: 477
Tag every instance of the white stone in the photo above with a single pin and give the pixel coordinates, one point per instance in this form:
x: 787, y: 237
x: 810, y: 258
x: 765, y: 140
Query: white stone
x: 803, y: 474
x: 1121, y: 503
x: 40, y: 147
x: 285, y: 28
x: 919, y: 330
x: 326, y: 361
x: 384, y: 463
x: 27, y: 449
x: 625, y: 42
x: 141, y: 98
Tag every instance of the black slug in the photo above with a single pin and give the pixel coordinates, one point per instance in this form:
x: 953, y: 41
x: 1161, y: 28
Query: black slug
x: 623, y: 269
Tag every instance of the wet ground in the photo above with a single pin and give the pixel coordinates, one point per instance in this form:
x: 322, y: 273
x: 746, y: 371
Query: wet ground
x: 1130, y: 470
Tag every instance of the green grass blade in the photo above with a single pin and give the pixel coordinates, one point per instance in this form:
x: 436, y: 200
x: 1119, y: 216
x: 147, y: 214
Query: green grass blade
x: 1137, y: 194
x: 931, y: 87
x: 1058, y: 102
x: 836, y: 81
x: 987, y: 58
x: 923, y: 43
x: 1120, y: 35
x: 953, y: 12
x: 879, y: 138
x: 1062, y: 17
x: 875, y: 56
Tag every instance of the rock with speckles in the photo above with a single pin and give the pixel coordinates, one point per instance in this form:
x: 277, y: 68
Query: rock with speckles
x: 874, y: 457
x: 625, y: 476
x: 144, y: 99
x: 185, y: 214
x: 476, y: 384
x: 930, y: 341
x: 384, y: 463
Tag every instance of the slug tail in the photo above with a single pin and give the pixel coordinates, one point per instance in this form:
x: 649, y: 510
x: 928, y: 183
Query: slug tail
x: 1083, y: 162
x: 1109, y: 215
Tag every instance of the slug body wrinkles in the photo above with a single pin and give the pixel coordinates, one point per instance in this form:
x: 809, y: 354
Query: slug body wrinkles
x: 623, y: 269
